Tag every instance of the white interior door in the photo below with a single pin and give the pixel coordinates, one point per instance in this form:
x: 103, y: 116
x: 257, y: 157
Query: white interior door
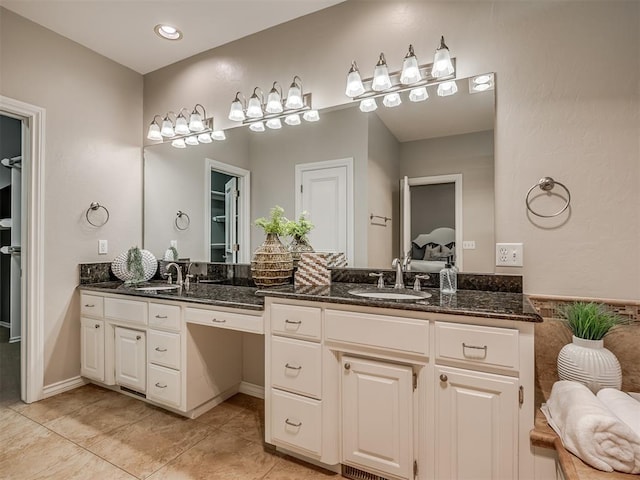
x: 231, y: 220
x: 405, y: 217
x: 325, y: 190
x: 16, y: 257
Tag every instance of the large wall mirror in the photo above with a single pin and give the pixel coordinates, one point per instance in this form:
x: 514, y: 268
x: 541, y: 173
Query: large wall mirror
x: 440, y: 149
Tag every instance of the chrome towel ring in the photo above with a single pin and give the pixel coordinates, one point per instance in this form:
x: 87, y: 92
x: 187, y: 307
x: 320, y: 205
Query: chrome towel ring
x: 94, y: 207
x: 185, y: 223
x: 546, y: 184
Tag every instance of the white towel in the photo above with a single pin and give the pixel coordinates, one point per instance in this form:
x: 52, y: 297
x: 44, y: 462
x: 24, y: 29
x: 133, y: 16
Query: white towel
x: 590, y: 431
x: 635, y: 395
x: 623, y: 406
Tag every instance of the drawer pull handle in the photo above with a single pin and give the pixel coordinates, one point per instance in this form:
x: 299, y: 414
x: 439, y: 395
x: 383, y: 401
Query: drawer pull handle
x: 347, y: 366
x: 138, y: 337
x: 474, y: 347
x: 158, y: 349
x: 97, y: 325
x: 289, y: 422
x: 159, y: 385
x: 161, y: 316
x: 299, y: 367
x: 443, y: 377
x: 215, y: 320
x: 293, y: 322
x: 89, y: 305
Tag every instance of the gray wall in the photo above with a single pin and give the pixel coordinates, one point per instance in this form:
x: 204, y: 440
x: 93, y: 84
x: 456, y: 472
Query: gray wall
x: 432, y: 206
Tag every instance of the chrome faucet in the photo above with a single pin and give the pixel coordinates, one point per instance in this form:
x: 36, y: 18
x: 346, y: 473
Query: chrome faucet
x: 397, y: 264
x: 178, y: 271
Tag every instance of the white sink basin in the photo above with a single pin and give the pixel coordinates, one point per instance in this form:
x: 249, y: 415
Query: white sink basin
x: 157, y: 288
x: 390, y: 294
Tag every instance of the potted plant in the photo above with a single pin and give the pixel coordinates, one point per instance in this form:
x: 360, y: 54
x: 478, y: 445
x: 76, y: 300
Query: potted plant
x: 585, y: 360
x: 299, y: 230
x: 272, y: 263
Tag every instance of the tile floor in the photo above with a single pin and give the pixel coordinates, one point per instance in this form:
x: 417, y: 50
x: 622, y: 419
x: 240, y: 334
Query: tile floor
x: 94, y: 433
x: 9, y: 368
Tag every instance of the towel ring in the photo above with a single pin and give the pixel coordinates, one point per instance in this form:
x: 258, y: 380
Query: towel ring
x: 92, y: 208
x: 546, y: 184
x: 179, y: 215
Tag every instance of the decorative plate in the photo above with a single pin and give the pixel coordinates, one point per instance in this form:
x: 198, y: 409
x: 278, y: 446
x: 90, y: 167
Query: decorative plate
x: 149, y: 265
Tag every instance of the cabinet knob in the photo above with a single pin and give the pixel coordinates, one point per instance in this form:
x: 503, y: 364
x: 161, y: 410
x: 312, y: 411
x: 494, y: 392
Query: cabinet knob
x: 443, y: 377
x: 347, y: 366
x: 97, y: 325
x: 138, y: 337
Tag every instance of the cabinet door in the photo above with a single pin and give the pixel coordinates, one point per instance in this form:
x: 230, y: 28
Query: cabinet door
x: 131, y: 359
x: 476, y: 425
x: 377, y: 412
x: 92, y: 349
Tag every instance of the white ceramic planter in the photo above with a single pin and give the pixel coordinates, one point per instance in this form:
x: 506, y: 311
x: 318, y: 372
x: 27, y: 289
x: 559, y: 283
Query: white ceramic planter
x: 588, y: 362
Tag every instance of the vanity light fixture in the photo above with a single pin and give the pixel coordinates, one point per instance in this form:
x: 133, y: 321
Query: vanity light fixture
x: 236, y: 113
x: 254, y: 106
x: 368, y: 105
x: 167, y: 127
x: 418, y: 94
x: 218, y: 135
x: 355, y: 87
x: 168, y: 32
x: 442, y: 65
x: 178, y: 143
x: 381, y: 80
x: 192, y: 140
x: 274, y: 99
x: 198, y: 129
x: 195, y: 119
x: 410, y: 70
x: 293, y: 119
x: 311, y: 116
x: 481, y: 83
x: 274, y: 123
x: 205, y: 138
x: 294, y: 96
x: 182, y: 127
x: 447, y: 88
x: 391, y: 100
x: 154, y: 130
x: 256, y: 127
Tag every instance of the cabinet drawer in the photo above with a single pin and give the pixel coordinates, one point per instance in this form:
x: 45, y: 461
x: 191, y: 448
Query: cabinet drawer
x: 164, y: 316
x: 91, y: 305
x: 295, y: 321
x: 233, y: 321
x: 390, y: 333
x: 296, y: 366
x: 163, y: 385
x: 477, y: 345
x: 127, y: 310
x: 296, y: 421
x: 163, y: 348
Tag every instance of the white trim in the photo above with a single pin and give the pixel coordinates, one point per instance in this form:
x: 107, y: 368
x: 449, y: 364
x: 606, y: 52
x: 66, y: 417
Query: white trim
x: 341, y: 162
x: 244, y: 205
x: 251, y: 389
x: 63, y: 386
x: 455, y: 178
x: 33, y: 162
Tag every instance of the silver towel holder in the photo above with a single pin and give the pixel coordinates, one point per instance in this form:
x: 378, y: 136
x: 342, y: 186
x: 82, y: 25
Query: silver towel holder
x: 546, y: 184
x: 179, y: 216
x: 94, y: 207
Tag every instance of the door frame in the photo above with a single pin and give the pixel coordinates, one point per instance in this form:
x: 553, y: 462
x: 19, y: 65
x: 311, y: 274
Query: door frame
x: 341, y: 162
x: 244, y: 206
x: 32, y: 301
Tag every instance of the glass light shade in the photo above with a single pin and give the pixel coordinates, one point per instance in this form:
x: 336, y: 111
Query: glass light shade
x: 368, y: 105
x: 294, y: 97
x: 254, y: 108
x: 195, y: 122
x: 192, y: 140
x: 257, y: 127
x: 392, y: 100
x: 447, y: 88
x: 418, y: 94
x: 381, y: 80
x: 354, y: 84
x: 442, y: 65
x: 482, y: 79
x: 274, y: 102
x: 235, y: 113
x: 481, y: 87
x: 179, y: 143
x: 311, y: 116
x: 218, y: 135
x: 154, y: 132
x: 181, y: 127
x: 204, y: 138
x: 167, y: 128
x: 410, y: 70
x: 274, y: 123
x: 293, y: 119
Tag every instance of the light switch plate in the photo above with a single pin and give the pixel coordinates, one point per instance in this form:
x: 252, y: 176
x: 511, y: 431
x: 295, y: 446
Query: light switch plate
x: 509, y: 254
x: 103, y: 247
x: 469, y: 244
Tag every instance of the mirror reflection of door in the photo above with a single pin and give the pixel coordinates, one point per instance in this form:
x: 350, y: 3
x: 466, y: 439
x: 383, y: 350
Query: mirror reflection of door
x: 224, y: 220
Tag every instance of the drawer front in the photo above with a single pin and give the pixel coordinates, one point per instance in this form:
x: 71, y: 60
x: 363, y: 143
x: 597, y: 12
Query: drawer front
x: 164, y: 316
x: 233, y: 321
x: 163, y: 348
x: 296, y: 366
x: 91, y: 305
x: 163, y: 385
x: 477, y: 345
x: 296, y: 421
x: 127, y: 310
x: 381, y: 331
x: 295, y: 321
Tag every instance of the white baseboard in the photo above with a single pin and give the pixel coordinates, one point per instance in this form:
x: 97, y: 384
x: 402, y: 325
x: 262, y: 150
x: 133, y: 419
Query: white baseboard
x: 251, y: 389
x: 63, y: 386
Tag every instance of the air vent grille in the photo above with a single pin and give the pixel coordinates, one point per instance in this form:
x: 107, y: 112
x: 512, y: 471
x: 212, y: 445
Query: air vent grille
x: 357, y: 474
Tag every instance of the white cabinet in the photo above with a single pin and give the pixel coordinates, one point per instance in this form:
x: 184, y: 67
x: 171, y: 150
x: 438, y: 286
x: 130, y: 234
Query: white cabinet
x: 92, y: 348
x: 377, y: 416
x: 131, y: 358
x: 476, y: 425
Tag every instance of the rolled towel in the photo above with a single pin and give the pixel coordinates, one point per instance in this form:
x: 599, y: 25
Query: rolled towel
x: 623, y: 406
x: 590, y: 431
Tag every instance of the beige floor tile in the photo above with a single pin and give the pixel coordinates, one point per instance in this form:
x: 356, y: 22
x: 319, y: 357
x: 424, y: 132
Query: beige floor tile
x: 246, y: 401
x: 220, y: 456
x: 288, y: 468
x: 83, y: 466
x: 145, y: 446
x: 27, y: 455
x: 220, y: 414
x: 15, y: 424
x: 103, y: 416
x: 247, y: 424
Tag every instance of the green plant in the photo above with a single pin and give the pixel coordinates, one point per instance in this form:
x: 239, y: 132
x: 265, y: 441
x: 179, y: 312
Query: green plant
x: 299, y: 229
x: 134, y: 264
x: 590, y: 321
x: 275, y: 223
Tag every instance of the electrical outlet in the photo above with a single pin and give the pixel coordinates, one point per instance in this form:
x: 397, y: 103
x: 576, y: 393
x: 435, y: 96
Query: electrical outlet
x: 174, y: 243
x: 469, y: 245
x: 103, y: 247
x: 509, y: 254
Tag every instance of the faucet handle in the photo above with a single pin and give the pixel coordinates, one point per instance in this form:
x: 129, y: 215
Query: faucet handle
x: 380, y: 278
x: 416, y: 283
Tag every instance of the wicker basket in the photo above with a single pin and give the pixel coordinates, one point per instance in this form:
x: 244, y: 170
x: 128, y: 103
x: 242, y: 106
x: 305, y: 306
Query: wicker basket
x: 272, y: 263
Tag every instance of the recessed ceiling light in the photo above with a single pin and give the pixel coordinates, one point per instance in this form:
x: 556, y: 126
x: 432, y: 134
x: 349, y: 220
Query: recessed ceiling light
x: 168, y: 32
